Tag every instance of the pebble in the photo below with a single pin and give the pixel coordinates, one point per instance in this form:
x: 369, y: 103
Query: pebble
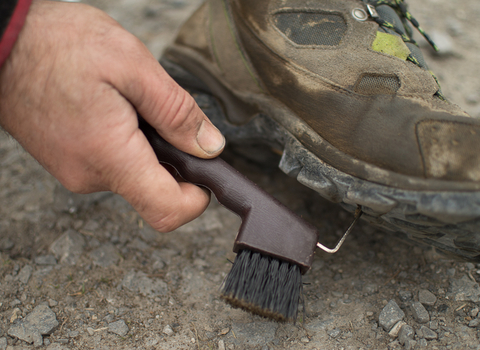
x: 168, y: 330
x: 464, y: 289
x: 139, y: 282
x: 396, y: 329
x: 406, y: 332
x: 390, y: 315
x: 105, y: 255
x: 56, y: 346
x: 6, y: 244
x: 444, y: 42
x: 15, y: 302
x: 221, y: 345
x: 474, y: 312
x: 119, y: 328
x: 405, y: 295
x: 422, y: 343
x: 410, y: 344
x: 474, y: 323
x: 334, y: 333
x: 45, y: 260
x: 426, y: 333
x: 426, y: 297
x: 419, y: 312
x: 3, y: 343
x: 41, y: 321
x: 90, y: 331
x: 25, y: 274
x: 68, y: 247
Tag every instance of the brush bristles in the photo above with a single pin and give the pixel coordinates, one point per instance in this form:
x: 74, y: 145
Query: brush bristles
x: 264, y: 286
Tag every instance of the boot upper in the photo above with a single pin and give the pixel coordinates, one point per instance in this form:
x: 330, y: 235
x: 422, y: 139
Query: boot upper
x: 359, y: 86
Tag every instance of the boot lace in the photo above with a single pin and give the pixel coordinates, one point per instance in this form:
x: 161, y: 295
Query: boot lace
x: 405, y: 33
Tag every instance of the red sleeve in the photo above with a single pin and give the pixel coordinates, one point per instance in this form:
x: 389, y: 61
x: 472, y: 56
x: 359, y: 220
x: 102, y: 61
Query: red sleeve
x: 13, y: 29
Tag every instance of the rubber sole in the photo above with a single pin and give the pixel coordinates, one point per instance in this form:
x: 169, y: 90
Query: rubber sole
x: 448, y: 220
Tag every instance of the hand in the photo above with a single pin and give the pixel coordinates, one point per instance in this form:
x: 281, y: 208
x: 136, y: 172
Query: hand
x: 69, y: 93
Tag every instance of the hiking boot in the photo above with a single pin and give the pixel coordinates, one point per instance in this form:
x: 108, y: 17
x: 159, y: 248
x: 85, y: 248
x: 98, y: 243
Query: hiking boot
x: 344, y: 93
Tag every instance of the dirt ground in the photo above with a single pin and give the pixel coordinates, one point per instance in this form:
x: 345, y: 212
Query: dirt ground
x: 111, y: 282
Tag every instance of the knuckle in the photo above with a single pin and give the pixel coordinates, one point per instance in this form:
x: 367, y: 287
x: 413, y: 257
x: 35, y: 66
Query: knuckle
x: 179, y: 111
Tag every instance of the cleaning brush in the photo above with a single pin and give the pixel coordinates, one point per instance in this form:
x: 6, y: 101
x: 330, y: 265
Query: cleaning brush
x: 274, y: 246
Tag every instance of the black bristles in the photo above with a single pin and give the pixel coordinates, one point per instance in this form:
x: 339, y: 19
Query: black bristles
x: 264, y: 286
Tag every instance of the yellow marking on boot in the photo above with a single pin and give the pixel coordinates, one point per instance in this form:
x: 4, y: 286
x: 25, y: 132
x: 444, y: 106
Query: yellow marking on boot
x: 391, y: 44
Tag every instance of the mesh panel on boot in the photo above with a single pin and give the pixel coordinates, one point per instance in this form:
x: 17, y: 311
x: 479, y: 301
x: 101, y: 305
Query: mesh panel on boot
x: 311, y: 28
x: 371, y: 84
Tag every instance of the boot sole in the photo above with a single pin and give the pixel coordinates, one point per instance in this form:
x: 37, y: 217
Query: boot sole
x: 448, y: 220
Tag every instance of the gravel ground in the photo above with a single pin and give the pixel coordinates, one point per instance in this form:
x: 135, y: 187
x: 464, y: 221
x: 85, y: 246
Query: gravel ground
x: 85, y: 272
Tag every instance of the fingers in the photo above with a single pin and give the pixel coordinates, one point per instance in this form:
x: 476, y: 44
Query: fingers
x: 161, y: 201
x: 164, y: 104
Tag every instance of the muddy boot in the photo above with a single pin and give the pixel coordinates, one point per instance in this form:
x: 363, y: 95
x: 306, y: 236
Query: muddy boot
x: 343, y: 92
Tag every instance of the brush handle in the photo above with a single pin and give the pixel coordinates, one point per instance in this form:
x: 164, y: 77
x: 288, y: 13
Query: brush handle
x: 226, y: 183
x: 267, y: 227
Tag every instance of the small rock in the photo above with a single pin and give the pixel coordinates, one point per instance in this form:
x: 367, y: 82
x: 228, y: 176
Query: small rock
x: 41, y: 321
x: 433, y: 325
x: 390, y: 315
x: 52, y: 302
x: 73, y: 334
x: 419, y: 312
x: 118, y: 327
x: 451, y: 272
x: 15, y: 302
x: 464, y: 289
x: 406, y: 332
x: 6, y: 244
x: 410, y: 344
x: 426, y: 333
x: 224, y: 331
x: 15, y: 314
x: 25, y: 274
x: 168, y: 330
x: 56, y: 346
x: 422, y: 343
x: 139, y: 282
x: 3, y: 343
x: 305, y: 340
x: 90, y: 331
x: 45, y: 260
x: 370, y: 289
x: 334, y: 333
x: 68, y: 247
x: 426, y: 297
x: 396, y: 329
x: 474, y: 323
x: 474, y: 312
x: 221, y: 345
x: 444, y: 42
x: 105, y: 255
x: 405, y: 295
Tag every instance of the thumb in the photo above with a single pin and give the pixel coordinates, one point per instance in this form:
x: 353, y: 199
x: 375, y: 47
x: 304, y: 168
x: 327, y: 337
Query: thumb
x: 166, y: 106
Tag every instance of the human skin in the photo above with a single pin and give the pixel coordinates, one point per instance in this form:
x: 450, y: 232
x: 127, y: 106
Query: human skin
x: 69, y: 94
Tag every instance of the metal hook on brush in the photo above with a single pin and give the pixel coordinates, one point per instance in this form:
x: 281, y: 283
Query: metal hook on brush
x: 358, y: 213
